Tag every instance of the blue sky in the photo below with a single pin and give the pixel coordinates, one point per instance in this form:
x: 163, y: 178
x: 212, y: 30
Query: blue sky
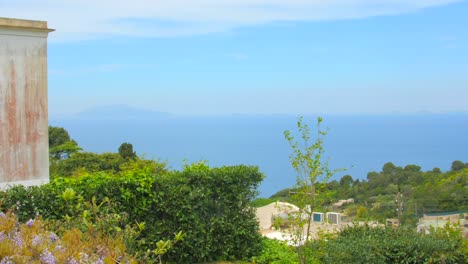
x: 223, y: 57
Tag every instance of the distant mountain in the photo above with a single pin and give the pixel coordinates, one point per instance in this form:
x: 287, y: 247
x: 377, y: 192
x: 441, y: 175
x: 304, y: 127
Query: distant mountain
x: 118, y: 112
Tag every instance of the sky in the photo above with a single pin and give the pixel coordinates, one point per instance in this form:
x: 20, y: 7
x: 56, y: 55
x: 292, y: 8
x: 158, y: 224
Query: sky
x: 221, y: 57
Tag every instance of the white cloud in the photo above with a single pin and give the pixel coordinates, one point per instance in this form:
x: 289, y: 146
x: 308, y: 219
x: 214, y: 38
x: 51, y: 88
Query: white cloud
x: 78, y: 19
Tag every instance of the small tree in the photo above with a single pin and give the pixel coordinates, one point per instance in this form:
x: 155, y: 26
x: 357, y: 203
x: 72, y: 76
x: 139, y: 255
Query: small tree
x: 61, y: 146
x: 307, y: 159
x: 58, y: 136
x: 457, y: 165
x: 126, y: 151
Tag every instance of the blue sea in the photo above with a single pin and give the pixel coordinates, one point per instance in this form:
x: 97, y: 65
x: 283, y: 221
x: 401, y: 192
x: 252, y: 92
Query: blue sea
x: 359, y: 144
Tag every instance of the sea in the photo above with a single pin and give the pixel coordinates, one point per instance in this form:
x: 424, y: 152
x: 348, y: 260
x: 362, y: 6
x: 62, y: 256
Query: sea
x: 354, y: 144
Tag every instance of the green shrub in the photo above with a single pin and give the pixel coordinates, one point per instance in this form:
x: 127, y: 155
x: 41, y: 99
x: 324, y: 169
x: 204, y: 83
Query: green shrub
x: 365, y: 244
x: 276, y: 252
x: 210, y: 206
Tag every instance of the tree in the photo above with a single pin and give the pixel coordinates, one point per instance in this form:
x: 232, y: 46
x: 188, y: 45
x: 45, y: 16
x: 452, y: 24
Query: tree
x: 411, y: 174
x: 390, y: 169
x: 64, y: 150
x: 346, y: 181
x: 376, y: 180
x: 457, y: 165
x: 307, y: 160
x: 58, y: 136
x: 61, y: 146
x: 126, y: 151
x: 412, y: 168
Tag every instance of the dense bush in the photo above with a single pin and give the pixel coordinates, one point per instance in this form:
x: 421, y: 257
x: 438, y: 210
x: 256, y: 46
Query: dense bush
x: 210, y: 206
x: 88, y: 162
x: 365, y: 244
x: 276, y: 252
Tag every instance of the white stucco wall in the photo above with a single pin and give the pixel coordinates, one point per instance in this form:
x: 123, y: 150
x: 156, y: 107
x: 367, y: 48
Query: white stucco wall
x: 23, y: 102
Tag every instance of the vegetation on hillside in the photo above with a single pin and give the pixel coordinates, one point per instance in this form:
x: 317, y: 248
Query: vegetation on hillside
x: 384, y: 193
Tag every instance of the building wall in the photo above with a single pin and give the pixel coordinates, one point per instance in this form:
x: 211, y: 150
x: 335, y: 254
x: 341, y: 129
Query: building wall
x: 23, y: 102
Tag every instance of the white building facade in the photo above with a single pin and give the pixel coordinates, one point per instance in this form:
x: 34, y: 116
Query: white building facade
x: 24, y: 143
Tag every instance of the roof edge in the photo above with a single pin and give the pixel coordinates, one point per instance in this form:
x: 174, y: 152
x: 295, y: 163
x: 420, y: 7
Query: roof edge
x: 24, y: 24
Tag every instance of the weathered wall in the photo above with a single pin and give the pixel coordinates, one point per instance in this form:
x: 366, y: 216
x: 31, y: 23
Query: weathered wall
x: 23, y: 102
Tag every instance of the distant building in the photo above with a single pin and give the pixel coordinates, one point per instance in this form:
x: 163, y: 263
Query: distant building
x: 334, y: 218
x: 440, y: 220
x: 318, y: 217
x: 24, y: 141
x: 266, y: 214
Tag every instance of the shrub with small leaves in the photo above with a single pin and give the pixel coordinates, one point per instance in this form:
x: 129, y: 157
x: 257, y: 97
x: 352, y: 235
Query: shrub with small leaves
x: 367, y: 244
x: 276, y: 252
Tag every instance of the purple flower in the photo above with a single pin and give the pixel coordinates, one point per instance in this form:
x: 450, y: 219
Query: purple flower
x: 84, y: 257
x: 18, y: 240
x: 30, y: 223
x: 73, y: 261
x: 47, y: 257
x: 37, y: 240
x: 60, y: 248
x: 53, y: 237
x: 2, y: 236
x: 7, y: 260
x: 2, y: 215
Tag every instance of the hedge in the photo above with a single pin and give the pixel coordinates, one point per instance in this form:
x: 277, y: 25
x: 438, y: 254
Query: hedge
x: 211, y: 206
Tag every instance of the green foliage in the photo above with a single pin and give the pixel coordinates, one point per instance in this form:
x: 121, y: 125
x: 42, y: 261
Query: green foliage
x: 417, y: 192
x: 346, y: 181
x: 67, y: 160
x: 362, y: 213
x: 126, y: 151
x: 458, y: 165
x: 366, y: 244
x: 276, y: 252
x: 61, y: 146
x: 84, y: 163
x: 89, y: 162
x: 58, y: 136
x: 210, y: 206
x: 307, y: 160
x: 145, y: 166
x: 64, y: 151
x: 163, y: 246
x: 283, y: 195
x: 259, y: 202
